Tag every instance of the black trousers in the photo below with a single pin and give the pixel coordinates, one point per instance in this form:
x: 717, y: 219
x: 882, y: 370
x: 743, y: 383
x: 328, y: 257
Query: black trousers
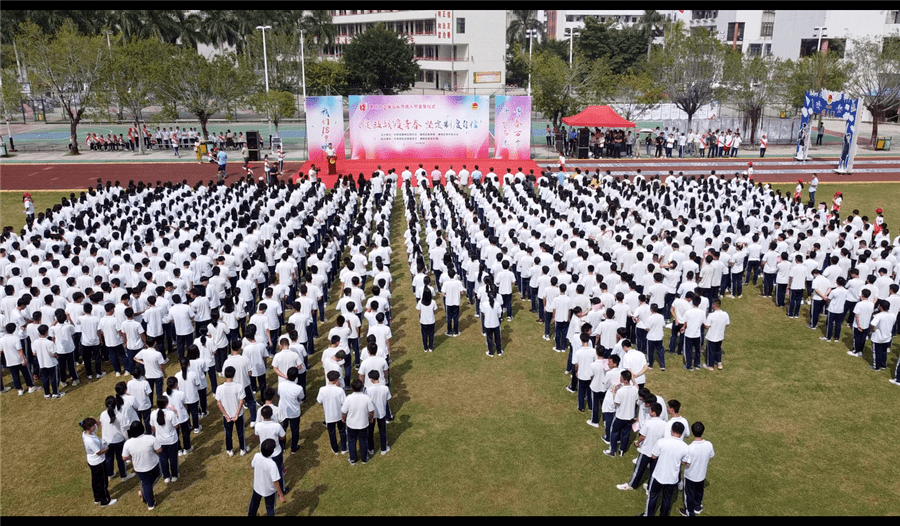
x: 100, y: 483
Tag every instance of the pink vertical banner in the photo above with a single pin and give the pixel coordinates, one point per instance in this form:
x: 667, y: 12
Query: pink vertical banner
x: 325, y: 124
x: 512, y: 127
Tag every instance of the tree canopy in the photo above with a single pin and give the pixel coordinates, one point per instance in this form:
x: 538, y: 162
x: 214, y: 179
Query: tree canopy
x: 380, y: 59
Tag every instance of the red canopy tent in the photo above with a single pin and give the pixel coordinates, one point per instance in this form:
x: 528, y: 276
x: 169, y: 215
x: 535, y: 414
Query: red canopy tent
x: 598, y: 116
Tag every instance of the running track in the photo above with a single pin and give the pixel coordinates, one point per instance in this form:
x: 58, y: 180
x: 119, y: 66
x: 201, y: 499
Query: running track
x: 775, y: 170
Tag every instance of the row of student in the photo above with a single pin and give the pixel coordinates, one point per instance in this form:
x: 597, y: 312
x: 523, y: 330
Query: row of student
x: 593, y: 367
x: 193, y: 272
x: 144, y: 389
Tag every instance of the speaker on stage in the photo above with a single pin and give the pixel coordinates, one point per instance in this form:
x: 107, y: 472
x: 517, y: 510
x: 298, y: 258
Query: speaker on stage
x: 254, y: 144
x: 584, y: 137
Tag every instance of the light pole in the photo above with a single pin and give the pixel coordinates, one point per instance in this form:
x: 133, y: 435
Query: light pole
x: 530, y: 35
x: 265, y: 59
x: 571, y: 34
x: 108, y: 31
x: 821, y: 32
x: 303, y: 69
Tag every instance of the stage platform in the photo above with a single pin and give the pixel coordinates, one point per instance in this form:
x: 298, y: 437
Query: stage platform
x: 367, y: 167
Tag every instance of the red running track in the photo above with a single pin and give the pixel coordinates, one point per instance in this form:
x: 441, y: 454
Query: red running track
x: 74, y: 176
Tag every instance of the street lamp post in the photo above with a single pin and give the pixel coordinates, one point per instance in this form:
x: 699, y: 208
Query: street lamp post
x: 571, y: 35
x: 265, y: 58
x: 530, y: 35
x: 303, y: 69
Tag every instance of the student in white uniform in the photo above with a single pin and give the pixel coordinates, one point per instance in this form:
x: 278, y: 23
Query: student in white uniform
x: 670, y: 453
x: 95, y: 448
x: 265, y: 480
x: 700, y: 451
x: 332, y: 397
x: 143, y: 451
x: 163, y: 421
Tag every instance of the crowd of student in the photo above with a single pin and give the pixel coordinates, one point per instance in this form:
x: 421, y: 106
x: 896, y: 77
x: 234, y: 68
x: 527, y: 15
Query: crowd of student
x: 607, y: 263
x: 126, y: 279
x: 609, y: 268
x: 616, y: 143
x: 163, y: 138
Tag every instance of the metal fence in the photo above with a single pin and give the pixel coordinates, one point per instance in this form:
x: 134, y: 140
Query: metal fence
x: 778, y: 131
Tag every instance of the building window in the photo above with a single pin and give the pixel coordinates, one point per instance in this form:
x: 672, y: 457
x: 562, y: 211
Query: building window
x: 768, y: 49
x: 429, y: 76
x: 460, y: 26
x: 766, y: 29
x: 729, y: 36
x: 754, y: 49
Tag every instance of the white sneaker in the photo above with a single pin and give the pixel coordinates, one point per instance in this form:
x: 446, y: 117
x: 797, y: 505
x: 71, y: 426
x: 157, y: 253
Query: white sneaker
x: 32, y: 389
x: 21, y: 392
x: 592, y: 424
x: 118, y: 374
x: 167, y: 480
x: 174, y: 479
x: 230, y: 453
x: 74, y: 383
x: 110, y: 503
x: 252, y: 424
x: 385, y: 452
x: 243, y: 452
x: 624, y: 487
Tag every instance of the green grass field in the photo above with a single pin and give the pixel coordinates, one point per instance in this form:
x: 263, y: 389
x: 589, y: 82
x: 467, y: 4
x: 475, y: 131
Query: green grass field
x: 799, y: 427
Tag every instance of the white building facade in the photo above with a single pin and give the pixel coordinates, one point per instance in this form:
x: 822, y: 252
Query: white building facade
x: 459, y: 51
x: 792, y: 34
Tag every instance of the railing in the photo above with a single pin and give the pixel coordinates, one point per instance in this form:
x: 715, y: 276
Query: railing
x: 443, y: 59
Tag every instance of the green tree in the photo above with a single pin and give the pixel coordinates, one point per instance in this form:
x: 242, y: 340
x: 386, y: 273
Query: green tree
x: 318, y: 30
x: 597, y: 82
x: 276, y: 105
x: 326, y: 77
x: 554, y: 86
x: 620, y: 48
x: 751, y: 84
x: 135, y: 70
x: 69, y: 65
x: 520, y: 22
x: 380, y: 59
x: 689, y: 69
x: 11, y: 97
x: 516, y: 65
x: 811, y: 73
x: 205, y: 86
x: 636, y: 92
x: 875, y: 79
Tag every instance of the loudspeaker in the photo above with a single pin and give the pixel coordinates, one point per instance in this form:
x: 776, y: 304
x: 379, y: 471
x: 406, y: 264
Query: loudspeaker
x: 584, y: 137
x: 254, y: 141
x: 584, y: 152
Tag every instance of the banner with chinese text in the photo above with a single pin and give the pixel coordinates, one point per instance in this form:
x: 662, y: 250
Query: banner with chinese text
x: 512, y: 127
x: 325, y: 124
x: 427, y: 126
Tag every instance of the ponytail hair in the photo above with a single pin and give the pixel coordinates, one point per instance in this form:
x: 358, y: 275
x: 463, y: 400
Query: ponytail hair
x: 171, y: 382
x: 111, y: 408
x: 161, y: 403
x: 184, y: 367
x: 121, y: 389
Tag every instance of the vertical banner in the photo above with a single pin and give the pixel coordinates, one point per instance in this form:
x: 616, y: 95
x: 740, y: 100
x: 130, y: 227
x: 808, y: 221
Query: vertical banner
x: 512, y: 127
x: 325, y: 124
x: 426, y: 126
x: 848, y: 143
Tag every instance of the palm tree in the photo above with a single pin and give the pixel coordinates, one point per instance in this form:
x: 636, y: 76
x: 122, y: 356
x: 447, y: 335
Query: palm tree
x: 218, y: 29
x: 319, y: 29
x: 654, y: 24
x: 522, y: 21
